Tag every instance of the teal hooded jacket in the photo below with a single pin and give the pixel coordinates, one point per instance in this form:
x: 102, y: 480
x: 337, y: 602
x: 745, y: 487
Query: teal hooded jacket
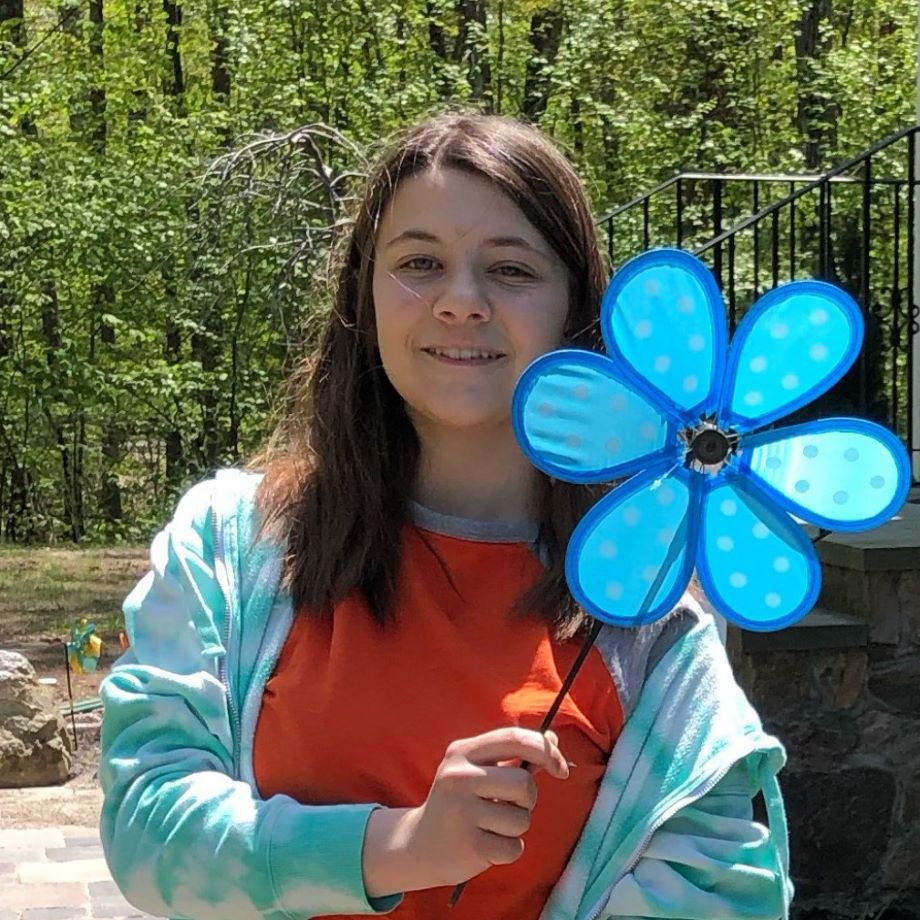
x: 186, y: 834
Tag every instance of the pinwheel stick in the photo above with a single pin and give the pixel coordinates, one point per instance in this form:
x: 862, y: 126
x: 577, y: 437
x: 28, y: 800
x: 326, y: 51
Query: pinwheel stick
x: 580, y: 660
x: 551, y: 713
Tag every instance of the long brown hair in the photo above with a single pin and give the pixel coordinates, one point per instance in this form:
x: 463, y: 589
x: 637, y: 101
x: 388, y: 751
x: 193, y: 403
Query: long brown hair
x: 341, y: 466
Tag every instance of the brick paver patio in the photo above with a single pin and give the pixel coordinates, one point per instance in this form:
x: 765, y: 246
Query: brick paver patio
x: 58, y: 874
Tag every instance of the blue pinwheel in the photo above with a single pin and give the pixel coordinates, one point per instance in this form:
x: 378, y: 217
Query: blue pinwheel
x: 673, y: 408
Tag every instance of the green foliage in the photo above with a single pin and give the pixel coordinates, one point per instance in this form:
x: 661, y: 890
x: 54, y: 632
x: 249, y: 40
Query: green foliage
x: 159, y: 263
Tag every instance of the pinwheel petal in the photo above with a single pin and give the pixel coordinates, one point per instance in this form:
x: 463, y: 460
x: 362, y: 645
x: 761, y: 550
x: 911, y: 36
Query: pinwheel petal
x: 796, y: 342
x: 575, y: 419
x: 839, y: 473
x: 664, y: 319
x: 630, y: 558
x: 757, y: 566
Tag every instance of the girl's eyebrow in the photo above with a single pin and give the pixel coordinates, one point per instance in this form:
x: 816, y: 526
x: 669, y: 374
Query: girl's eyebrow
x: 497, y: 241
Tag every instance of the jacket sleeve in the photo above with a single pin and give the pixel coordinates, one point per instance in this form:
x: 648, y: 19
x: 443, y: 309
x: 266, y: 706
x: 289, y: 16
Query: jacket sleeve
x: 711, y: 859
x: 182, y: 837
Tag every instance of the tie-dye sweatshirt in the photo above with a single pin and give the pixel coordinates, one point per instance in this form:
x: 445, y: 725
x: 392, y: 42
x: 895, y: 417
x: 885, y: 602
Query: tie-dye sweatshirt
x: 186, y: 835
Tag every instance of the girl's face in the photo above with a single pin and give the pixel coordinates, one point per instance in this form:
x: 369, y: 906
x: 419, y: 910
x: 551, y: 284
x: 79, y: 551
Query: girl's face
x: 466, y: 294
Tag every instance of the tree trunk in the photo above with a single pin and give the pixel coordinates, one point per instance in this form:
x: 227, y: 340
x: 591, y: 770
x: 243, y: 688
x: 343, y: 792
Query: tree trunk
x: 472, y: 49
x: 51, y: 331
x: 437, y: 41
x: 206, y: 352
x: 97, y: 97
x: 174, y: 84
x: 112, y: 432
x: 546, y: 29
x: 141, y: 98
x: 176, y: 462
x: 220, y: 60
x: 817, y: 113
x: 175, y: 466
x: 103, y: 293
x: 12, y: 11
x: 612, y: 162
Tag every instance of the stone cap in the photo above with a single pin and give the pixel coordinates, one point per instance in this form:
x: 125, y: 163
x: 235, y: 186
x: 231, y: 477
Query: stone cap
x: 820, y: 629
x: 895, y: 546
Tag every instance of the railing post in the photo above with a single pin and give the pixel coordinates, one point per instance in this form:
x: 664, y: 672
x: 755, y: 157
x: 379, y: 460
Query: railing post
x: 865, y: 289
x: 913, y: 292
x: 717, y: 230
x: 646, y: 235
x: 680, y: 211
x: 897, y: 304
x: 756, y: 203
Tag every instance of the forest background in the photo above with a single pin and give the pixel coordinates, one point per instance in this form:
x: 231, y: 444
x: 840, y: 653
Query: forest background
x: 174, y: 174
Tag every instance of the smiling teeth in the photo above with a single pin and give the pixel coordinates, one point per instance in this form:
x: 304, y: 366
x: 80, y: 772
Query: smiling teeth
x: 464, y: 354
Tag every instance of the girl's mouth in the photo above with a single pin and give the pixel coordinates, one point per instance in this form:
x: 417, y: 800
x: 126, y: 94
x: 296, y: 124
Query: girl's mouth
x: 464, y: 356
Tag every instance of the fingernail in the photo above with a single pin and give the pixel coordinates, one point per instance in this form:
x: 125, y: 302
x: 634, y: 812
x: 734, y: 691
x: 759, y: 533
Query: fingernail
x: 569, y: 763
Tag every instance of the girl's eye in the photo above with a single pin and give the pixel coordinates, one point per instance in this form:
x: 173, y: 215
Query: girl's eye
x: 420, y: 263
x: 513, y: 271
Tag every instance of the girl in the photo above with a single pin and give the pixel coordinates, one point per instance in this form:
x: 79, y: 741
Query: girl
x: 339, y: 662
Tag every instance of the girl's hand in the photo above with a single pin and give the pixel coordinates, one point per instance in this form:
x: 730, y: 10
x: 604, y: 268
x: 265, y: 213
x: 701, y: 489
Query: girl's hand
x: 477, y: 809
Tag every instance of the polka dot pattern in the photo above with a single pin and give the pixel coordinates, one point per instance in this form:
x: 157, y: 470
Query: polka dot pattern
x: 579, y: 419
x: 801, y: 340
x: 818, y: 352
x: 753, y: 562
x: 779, y: 331
x: 661, y: 321
x: 618, y: 544
x: 828, y: 477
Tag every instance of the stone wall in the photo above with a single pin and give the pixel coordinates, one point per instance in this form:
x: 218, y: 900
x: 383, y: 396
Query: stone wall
x: 850, y: 720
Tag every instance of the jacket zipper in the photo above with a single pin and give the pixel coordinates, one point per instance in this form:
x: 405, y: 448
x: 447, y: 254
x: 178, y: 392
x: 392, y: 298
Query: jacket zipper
x: 704, y: 788
x: 219, y: 560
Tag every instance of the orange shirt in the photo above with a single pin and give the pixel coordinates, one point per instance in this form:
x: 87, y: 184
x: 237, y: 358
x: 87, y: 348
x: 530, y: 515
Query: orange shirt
x: 356, y: 713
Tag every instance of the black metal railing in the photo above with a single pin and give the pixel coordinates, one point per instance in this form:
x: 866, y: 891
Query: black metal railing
x: 855, y: 225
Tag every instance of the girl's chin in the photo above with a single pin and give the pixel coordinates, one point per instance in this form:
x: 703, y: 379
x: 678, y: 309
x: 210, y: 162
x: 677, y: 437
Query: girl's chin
x: 457, y: 419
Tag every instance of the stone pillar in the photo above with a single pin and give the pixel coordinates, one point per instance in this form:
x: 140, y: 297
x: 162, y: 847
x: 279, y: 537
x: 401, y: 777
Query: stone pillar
x: 915, y: 293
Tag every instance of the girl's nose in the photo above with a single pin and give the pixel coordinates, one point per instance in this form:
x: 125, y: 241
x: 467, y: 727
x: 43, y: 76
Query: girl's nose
x: 462, y: 300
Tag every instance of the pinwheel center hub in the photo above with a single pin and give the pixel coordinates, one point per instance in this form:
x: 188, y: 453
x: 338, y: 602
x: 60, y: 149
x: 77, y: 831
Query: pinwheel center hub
x: 709, y: 448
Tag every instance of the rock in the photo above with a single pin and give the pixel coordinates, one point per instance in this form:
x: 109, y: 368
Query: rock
x: 34, y: 749
x: 898, y: 685
x: 910, y: 813
x: 902, y: 870
x: 818, y: 740
x: 839, y: 827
